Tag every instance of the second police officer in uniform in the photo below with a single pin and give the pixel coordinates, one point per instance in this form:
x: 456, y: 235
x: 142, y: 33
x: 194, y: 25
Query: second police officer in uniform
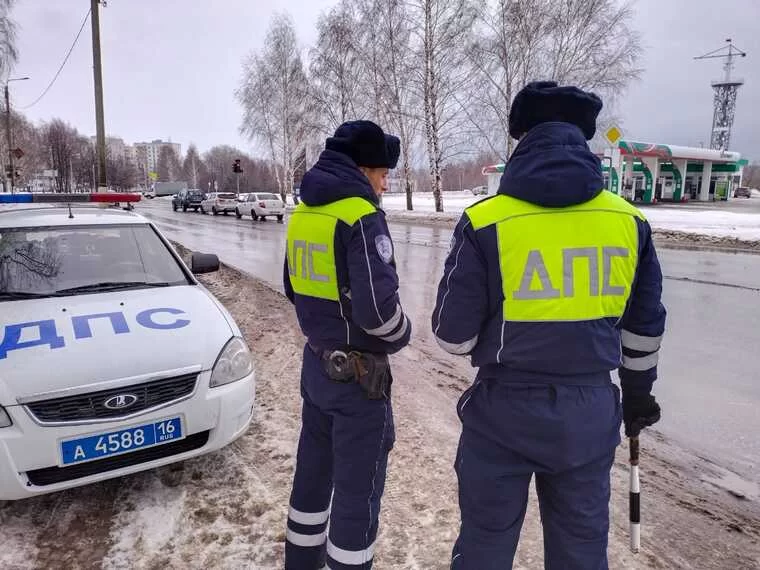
x: 549, y: 286
x: 340, y: 273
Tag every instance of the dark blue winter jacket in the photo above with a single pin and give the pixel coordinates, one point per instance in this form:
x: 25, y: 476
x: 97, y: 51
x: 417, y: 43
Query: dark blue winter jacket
x: 551, y: 167
x: 368, y: 315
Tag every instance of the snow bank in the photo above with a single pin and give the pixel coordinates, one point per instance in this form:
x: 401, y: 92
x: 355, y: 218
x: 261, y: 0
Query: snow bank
x: 712, y: 222
x: 708, y: 222
x: 453, y: 202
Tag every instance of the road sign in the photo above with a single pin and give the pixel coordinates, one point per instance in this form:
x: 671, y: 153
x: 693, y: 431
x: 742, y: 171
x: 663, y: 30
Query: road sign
x: 613, y: 135
x: 49, y: 173
x: 18, y: 153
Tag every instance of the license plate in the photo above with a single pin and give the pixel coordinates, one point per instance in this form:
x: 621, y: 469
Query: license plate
x: 122, y: 441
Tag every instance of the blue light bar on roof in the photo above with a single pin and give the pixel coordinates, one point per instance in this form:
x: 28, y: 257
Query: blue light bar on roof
x: 49, y: 198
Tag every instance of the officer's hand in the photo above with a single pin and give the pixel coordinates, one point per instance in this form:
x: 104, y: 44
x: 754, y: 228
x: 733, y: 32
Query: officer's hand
x: 640, y: 410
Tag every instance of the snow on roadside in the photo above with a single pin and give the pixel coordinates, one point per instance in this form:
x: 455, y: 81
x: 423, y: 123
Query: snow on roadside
x: 144, y: 525
x: 714, y: 221
x: 20, y: 529
x: 232, y: 508
x: 707, y: 222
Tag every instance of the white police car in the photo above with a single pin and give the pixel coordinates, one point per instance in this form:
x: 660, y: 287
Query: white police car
x: 113, y: 358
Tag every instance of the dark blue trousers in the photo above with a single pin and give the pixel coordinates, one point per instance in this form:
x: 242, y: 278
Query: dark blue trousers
x: 564, y: 435
x: 340, y: 473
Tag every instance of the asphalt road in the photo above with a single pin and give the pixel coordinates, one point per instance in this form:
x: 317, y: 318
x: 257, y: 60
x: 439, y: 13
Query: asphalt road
x: 710, y: 359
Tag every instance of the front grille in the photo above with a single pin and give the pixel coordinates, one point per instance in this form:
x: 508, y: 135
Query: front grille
x: 91, y: 406
x: 52, y: 475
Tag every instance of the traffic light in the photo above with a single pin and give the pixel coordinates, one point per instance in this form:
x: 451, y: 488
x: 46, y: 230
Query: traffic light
x: 8, y: 171
x: 236, y: 168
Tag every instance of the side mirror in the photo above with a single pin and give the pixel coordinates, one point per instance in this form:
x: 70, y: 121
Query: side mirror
x: 204, y: 263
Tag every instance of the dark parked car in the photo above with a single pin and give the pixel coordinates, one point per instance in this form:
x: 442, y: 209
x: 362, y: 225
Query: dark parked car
x: 185, y: 199
x: 743, y: 192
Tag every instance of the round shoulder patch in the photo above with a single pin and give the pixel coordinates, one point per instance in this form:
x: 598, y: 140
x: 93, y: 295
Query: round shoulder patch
x: 384, y: 247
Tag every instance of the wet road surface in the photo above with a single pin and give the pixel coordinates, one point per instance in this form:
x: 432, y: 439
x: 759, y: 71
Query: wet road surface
x: 709, y: 383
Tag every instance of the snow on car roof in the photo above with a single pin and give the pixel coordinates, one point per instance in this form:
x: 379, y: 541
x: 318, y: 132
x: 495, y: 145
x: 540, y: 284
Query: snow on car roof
x: 35, y: 215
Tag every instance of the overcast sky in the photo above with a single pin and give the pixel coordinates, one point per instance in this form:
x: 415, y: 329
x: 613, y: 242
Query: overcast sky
x: 171, y: 66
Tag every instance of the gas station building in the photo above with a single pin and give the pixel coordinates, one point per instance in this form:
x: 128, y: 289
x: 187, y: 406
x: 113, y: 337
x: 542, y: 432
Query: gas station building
x: 650, y: 173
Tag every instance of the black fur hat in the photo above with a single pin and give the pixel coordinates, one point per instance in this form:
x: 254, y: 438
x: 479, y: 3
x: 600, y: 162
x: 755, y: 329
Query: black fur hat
x: 366, y: 144
x: 544, y: 101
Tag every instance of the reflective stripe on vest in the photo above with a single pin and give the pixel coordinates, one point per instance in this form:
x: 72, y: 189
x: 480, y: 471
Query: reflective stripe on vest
x: 563, y: 264
x: 311, y: 245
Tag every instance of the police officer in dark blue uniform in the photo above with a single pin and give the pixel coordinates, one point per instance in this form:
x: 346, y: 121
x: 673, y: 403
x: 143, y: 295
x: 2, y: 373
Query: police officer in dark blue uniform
x: 549, y: 286
x: 340, y: 273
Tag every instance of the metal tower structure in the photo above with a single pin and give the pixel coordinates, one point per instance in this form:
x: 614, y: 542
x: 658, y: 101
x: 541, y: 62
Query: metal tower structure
x: 724, y: 99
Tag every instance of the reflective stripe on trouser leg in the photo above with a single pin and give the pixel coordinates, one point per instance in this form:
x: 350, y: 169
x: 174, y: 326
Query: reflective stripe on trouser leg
x: 362, y: 441
x: 308, y: 513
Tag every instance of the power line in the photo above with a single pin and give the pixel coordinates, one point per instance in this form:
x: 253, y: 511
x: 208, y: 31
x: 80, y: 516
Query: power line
x: 65, y: 59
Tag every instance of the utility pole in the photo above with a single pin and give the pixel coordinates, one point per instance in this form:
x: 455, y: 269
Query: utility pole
x: 8, y: 136
x: 98, y: 75
x: 11, y: 174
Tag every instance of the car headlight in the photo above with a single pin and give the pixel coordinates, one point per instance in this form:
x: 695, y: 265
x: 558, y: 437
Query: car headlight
x: 233, y: 363
x: 5, y: 419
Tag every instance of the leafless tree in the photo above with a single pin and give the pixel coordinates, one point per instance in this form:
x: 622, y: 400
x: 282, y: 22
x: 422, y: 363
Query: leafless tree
x: 399, y: 65
x: 27, y: 138
x: 370, y: 50
x: 445, y: 27
x: 256, y: 175
x: 588, y: 43
x: 193, y: 167
x: 62, y: 141
x: 168, y: 166
x: 273, y: 96
x: 83, y: 163
x: 336, y: 69
x: 8, y: 52
x: 122, y: 173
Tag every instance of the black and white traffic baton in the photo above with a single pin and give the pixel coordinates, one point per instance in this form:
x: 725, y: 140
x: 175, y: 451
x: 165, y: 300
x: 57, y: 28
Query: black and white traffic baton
x: 634, y: 500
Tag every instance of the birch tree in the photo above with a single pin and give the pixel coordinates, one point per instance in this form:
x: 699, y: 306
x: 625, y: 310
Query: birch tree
x: 8, y: 51
x: 273, y: 96
x: 193, y: 168
x: 445, y: 28
x: 503, y: 56
x: 370, y: 53
x: 588, y: 43
x: 336, y: 69
x: 399, y: 65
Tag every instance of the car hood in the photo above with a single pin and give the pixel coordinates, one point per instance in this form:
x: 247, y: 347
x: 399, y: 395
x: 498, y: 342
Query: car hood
x: 114, y: 338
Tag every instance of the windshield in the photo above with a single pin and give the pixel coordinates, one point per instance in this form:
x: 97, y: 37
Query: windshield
x: 268, y: 197
x: 225, y: 196
x: 49, y: 261
x: 196, y: 195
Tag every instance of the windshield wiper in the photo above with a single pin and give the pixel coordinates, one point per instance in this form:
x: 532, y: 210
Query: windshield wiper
x: 19, y: 295
x: 110, y: 286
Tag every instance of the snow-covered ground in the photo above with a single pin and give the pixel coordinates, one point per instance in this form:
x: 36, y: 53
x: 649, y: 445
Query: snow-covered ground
x: 713, y: 220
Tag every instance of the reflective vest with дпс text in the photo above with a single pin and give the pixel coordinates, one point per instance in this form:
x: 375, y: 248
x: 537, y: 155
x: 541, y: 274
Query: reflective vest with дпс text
x: 311, y: 245
x: 563, y: 264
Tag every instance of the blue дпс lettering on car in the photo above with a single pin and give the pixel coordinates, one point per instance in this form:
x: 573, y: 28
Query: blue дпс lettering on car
x: 48, y: 333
